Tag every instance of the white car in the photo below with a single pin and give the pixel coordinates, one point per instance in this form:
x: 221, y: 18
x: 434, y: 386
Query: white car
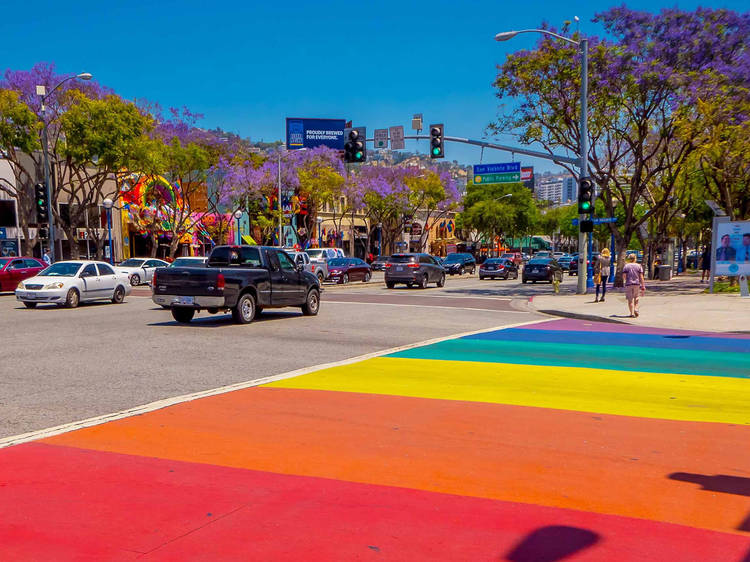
x: 140, y: 270
x: 68, y: 283
x: 317, y: 268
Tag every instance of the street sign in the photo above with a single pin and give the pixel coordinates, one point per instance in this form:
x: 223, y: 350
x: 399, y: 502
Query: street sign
x: 397, y: 138
x: 602, y: 220
x: 416, y: 122
x: 498, y: 178
x: 381, y: 138
x: 504, y: 168
x: 311, y: 133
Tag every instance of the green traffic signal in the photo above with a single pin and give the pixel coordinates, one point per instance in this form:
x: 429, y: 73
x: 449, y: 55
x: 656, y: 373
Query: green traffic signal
x: 585, y: 205
x: 358, y: 155
x: 436, y: 151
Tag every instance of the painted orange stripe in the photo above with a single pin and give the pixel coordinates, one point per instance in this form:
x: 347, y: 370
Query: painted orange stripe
x: 606, y: 464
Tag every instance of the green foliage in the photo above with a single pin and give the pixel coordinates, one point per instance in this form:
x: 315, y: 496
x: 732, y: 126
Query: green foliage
x: 488, y: 209
x: 19, y: 126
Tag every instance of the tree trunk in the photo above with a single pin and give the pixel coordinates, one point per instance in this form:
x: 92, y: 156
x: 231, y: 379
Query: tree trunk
x: 75, y: 249
x: 154, y: 244
x: 174, y: 245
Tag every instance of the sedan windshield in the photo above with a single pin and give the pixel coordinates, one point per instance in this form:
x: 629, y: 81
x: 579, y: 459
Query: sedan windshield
x: 3, y: 261
x: 61, y: 269
x: 132, y: 263
x: 338, y: 262
x: 495, y: 261
x: 454, y: 258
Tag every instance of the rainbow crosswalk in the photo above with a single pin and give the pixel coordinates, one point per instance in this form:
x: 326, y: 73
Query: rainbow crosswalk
x: 550, y: 440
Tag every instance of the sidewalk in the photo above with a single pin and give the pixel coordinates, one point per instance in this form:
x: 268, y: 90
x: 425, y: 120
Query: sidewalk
x: 679, y: 303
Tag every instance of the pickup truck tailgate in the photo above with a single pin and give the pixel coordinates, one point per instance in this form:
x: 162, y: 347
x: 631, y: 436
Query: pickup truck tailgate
x: 186, y: 281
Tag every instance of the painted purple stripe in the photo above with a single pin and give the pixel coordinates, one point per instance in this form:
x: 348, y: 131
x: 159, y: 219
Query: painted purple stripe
x: 569, y: 324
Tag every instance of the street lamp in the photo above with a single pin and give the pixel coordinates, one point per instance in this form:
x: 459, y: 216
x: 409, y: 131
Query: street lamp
x: 108, y: 204
x: 238, y: 216
x: 583, y: 147
x: 380, y: 239
x: 319, y: 220
x: 41, y: 91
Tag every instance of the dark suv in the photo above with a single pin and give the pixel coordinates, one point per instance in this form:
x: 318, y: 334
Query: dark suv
x: 459, y: 264
x: 413, y: 269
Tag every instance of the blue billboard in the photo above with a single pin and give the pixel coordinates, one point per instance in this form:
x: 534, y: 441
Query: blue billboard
x: 311, y: 133
x: 505, y: 168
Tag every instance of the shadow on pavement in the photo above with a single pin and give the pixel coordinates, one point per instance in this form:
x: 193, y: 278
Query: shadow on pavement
x: 738, y: 485
x: 552, y: 543
x: 225, y: 320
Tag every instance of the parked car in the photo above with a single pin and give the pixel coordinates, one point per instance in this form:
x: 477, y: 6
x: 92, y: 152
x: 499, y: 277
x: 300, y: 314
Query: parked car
x: 439, y: 259
x: 459, y: 264
x: 413, y: 269
x: 320, y: 270
x: 379, y: 262
x: 515, y: 257
x: 542, y: 254
x: 498, y: 267
x: 542, y: 269
x: 240, y: 279
x: 558, y: 255
x: 343, y: 270
x: 565, y: 262
x: 189, y: 261
x: 68, y: 283
x: 14, y: 270
x: 140, y: 270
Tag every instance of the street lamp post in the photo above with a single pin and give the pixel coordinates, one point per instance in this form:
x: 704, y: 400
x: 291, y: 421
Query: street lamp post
x: 238, y: 216
x: 583, y: 146
x: 319, y: 220
x: 380, y: 239
x: 108, y: 204
x: 41, y: 91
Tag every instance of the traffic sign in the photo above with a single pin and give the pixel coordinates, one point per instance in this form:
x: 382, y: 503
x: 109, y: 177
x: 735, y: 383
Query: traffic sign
x: 3, y: 233
x: 397, y: 137
x: 504, y: 168
x: 381, y: 138
x: 497, y: 178
x: 602, y: 220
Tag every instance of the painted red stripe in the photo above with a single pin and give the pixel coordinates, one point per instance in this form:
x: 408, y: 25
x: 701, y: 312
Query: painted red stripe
x: 66, y: 503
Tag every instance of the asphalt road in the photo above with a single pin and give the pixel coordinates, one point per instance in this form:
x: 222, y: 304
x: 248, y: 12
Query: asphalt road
x: 61, y: 365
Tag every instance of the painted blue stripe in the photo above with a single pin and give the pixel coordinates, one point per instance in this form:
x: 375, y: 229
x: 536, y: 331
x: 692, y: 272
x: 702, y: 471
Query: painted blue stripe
x: 676, y: 341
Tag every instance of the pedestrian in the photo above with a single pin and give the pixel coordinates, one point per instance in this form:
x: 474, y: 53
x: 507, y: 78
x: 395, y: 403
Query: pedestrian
x: 635, y: 285
x: 601, y: 273
x: 46, y: 257
x: 706, y: 264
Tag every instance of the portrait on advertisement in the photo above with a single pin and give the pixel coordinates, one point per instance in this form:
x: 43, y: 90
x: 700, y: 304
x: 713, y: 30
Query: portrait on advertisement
x: 733, y: 251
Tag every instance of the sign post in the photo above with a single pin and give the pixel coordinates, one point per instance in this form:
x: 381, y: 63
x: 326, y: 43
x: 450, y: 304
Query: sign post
x: 381, y: 138
x: 397, y: 138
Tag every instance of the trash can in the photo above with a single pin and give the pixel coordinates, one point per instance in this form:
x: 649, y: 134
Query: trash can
x: 665, y: 272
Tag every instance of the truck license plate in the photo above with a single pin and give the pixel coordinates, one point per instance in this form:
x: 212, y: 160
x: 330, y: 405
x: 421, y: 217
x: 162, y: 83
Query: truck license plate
x: 399, y: 268
x: 184, y: 300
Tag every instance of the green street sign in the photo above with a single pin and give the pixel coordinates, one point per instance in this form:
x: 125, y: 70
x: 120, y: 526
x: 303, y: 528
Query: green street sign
x: 509, y: 177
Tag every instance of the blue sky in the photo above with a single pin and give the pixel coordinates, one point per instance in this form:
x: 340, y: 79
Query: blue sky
x: 248, y: 65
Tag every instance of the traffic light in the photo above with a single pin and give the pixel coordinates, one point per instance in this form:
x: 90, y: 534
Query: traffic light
x: 587, y: 225
x: 43, y: 233
x: 585, y: 196
x: 355, y: 148
x: 42, y: 205
x: 437, y: 142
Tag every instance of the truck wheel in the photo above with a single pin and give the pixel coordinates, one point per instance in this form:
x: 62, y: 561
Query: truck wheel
x: 423, y: 282
x: 244, y: 312
x: 28, y: 304
x: 312, y: 303
x: 321, y: 277
x: 183, y: 315
x: 390, y: 284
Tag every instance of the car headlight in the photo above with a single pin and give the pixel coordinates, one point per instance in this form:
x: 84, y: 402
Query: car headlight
x: 20, y: 286
x: 54, y: 286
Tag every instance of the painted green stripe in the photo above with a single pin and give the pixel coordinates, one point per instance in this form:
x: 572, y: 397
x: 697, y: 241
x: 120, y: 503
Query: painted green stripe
x: 630, y: 358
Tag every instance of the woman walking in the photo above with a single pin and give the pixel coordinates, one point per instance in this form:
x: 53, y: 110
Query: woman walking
x: 601, y: 273
x: 635, y: 285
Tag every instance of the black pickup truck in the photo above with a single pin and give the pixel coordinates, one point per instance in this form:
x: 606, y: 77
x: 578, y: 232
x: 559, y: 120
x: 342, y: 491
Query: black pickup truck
x: 240, y: 279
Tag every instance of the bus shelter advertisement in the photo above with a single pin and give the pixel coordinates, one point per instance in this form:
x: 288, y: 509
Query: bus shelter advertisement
x: 311, y: 133
x: 733, y: 253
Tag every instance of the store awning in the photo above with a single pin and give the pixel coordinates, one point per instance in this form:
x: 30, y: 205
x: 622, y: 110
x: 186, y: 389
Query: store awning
x: 247, y: 239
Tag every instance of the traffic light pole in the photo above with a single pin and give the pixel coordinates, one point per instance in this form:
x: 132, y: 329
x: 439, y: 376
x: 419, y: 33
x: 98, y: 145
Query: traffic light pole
x: 583, y: 166
x: 48, y: 189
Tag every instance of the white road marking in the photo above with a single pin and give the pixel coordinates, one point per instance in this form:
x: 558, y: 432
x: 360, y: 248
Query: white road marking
x: 159, y: 404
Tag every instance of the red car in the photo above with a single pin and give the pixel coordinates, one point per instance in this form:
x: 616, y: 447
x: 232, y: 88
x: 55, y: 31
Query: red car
x: 15, y: 270
x: 343, y: 270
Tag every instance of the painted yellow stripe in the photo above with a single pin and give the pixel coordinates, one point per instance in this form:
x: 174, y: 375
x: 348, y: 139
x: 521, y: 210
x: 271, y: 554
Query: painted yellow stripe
x: 626, y: 393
